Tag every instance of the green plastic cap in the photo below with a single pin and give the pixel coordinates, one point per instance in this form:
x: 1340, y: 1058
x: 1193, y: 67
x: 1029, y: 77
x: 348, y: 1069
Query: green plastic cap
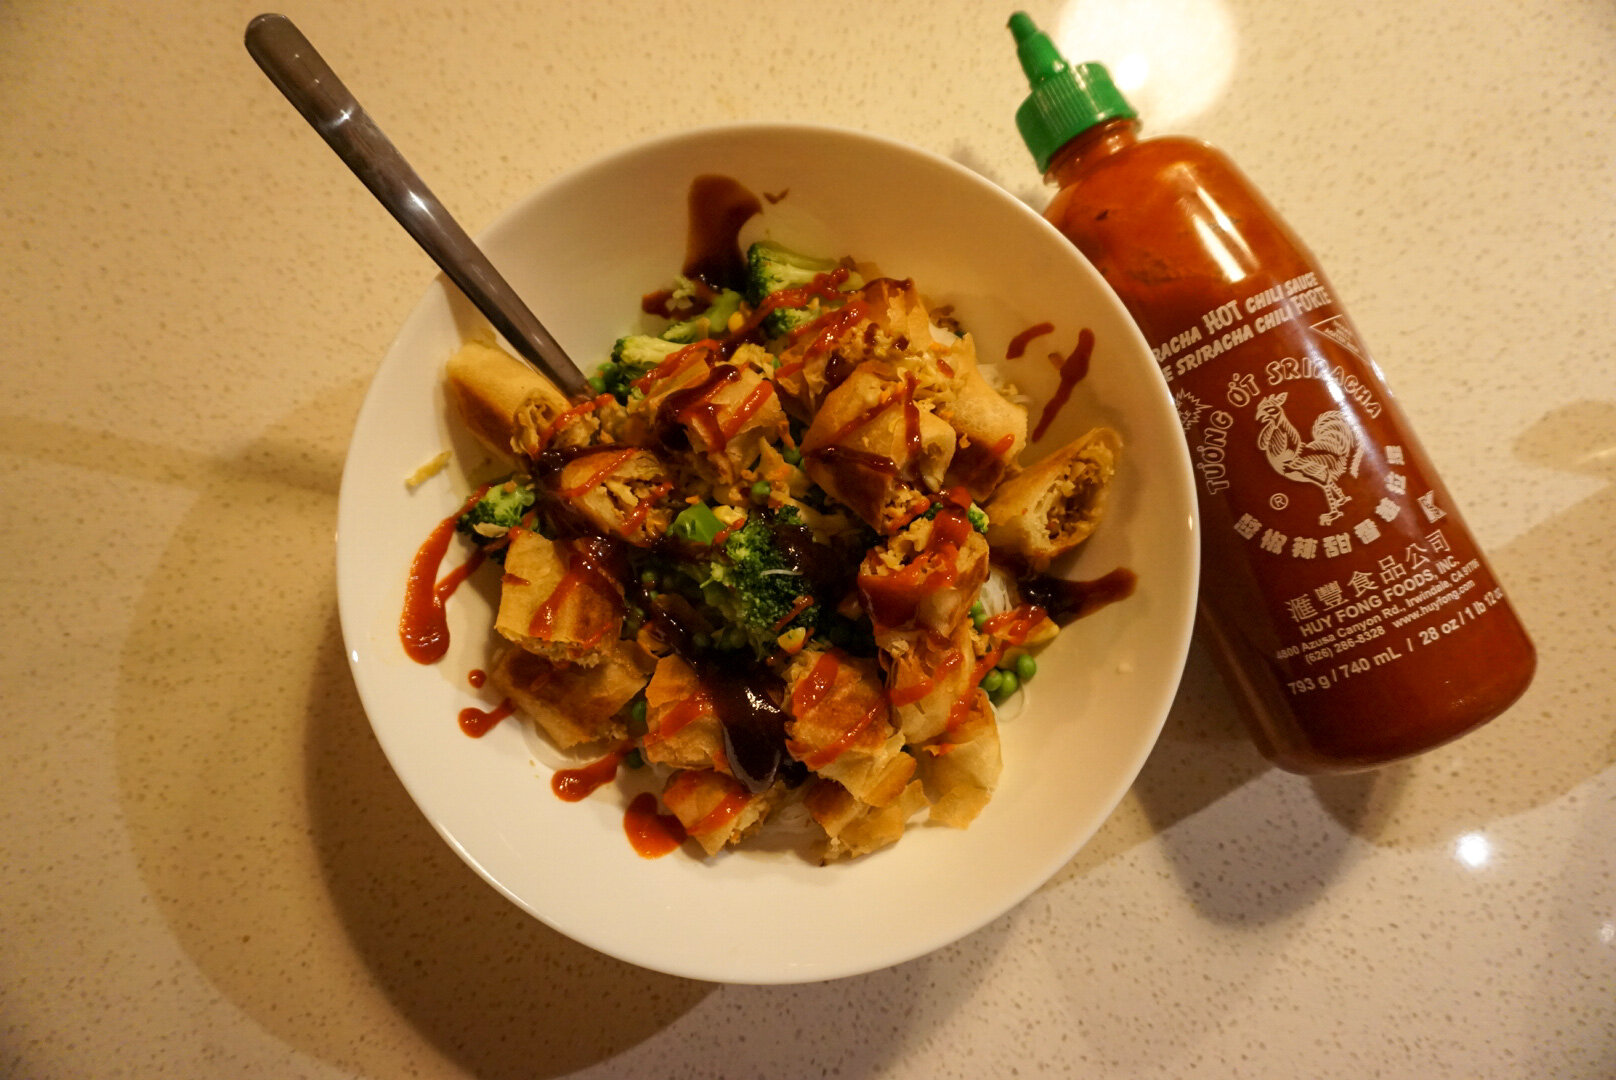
x: 1065, y: 100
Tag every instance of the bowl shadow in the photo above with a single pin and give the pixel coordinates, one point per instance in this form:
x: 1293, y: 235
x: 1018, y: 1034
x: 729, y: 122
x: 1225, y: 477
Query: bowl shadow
x: 275, y: 841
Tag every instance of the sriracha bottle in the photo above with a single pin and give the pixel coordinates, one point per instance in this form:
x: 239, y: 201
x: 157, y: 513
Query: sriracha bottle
x: 1349, y: 609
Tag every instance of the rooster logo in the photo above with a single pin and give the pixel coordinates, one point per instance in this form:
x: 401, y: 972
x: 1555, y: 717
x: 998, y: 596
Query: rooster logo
x: 1333, y: 450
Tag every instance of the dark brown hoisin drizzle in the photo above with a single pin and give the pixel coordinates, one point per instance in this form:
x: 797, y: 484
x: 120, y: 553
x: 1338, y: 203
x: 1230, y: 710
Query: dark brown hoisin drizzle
x: 1067, y: 601
x: 1018, y: 344
x: 745, y: 695
x: 720, y: 207
x: 1072, y: 371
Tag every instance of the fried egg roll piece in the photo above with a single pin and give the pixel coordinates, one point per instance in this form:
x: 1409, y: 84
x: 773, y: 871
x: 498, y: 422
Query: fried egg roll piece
x: 885, y: 321
x: 992, y: 433
x: 992, y: 429
x: 622, y: 490
x: 853, y: 828
x: 962, y: 767
x: 724, y: 410
x: 876, y: 447
x: 507, y: 404
x: 682, y: 725
x: 557, y: 600
x: 1053, y: 506
x: 716, y: 809
x: 924, y: 578
x: 841, y: 725
x: 570, y: 703
x: 927, y: 674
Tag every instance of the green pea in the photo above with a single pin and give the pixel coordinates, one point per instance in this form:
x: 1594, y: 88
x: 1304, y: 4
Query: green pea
x: 636, y: 711
x: 634, y: 759
x: 792, y: 455
x: 1026, y: 666
x: 979, y: 614
x: 993, y: 681
x: 648, y: 577
x: 1010, y: 684
x: 597, y: 384
x: 761, y: 490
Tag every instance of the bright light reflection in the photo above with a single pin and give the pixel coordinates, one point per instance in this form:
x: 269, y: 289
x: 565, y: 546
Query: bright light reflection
x: 1171, y: 59
x: 1607, y: 933
x: 1130, y: 73
x: 1215, y: 244
x: 1473, y: 849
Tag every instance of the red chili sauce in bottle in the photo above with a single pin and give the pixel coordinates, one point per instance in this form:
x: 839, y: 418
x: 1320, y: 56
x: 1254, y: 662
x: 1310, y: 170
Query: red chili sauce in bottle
x: 1352, y: 614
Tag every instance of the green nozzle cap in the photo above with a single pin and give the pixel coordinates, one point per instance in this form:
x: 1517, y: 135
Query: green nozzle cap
x: 1065, y: 100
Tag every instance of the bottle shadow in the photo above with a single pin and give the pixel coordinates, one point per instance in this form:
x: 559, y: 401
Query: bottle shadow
x: 1247, y: 842
x: 1562, y: 731
x: 285, y: 857
x: 1250, y: 843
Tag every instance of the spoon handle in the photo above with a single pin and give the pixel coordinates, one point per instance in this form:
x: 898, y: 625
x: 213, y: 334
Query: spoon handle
x: 298, y: 71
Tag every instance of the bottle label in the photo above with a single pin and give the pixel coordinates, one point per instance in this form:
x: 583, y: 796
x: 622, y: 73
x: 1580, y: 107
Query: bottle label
x: 1307, y: 471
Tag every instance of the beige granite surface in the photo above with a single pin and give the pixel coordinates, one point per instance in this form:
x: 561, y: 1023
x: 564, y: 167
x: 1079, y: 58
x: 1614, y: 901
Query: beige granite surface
x: 210, y: 871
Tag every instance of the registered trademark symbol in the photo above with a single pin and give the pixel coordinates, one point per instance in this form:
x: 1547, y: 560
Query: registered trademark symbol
x: 1278, y: 500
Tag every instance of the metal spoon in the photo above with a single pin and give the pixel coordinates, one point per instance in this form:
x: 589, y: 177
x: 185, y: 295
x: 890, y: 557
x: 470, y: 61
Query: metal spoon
x: 313, y: 88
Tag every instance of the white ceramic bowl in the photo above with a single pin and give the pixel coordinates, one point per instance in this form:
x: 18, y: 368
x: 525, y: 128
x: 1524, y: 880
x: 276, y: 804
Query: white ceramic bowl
x: 582, y: 250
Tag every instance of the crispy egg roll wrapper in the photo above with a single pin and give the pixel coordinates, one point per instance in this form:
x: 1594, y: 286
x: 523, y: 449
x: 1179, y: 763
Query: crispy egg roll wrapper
x: 552, y: 603
x: 1053, y: 506
x: 894, y: 328
x: 927, y: 675
x: 991, y: 427
x: 841, y: 725
x: 573, y: 704
x: 992, y: 431
x: 716, y: 809
x: 623, y: 490
x: 682, y: 725
x: 906, y: 584
x: 853, y: 828
x: 727, y: 410
x: 860, y: 446
x: 503, y: 402
x: 962, y: 768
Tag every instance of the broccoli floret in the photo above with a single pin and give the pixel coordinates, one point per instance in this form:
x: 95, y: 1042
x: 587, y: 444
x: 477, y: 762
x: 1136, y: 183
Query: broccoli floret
x: 632, y: 357
x: 771, y: 267
x: 643, y: 350
x: 754, y: 587
x: 496, y: 513
x: 710, y: 323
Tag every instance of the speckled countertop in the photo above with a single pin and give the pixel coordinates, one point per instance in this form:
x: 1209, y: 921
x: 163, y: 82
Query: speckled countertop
x: 209, y: 868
